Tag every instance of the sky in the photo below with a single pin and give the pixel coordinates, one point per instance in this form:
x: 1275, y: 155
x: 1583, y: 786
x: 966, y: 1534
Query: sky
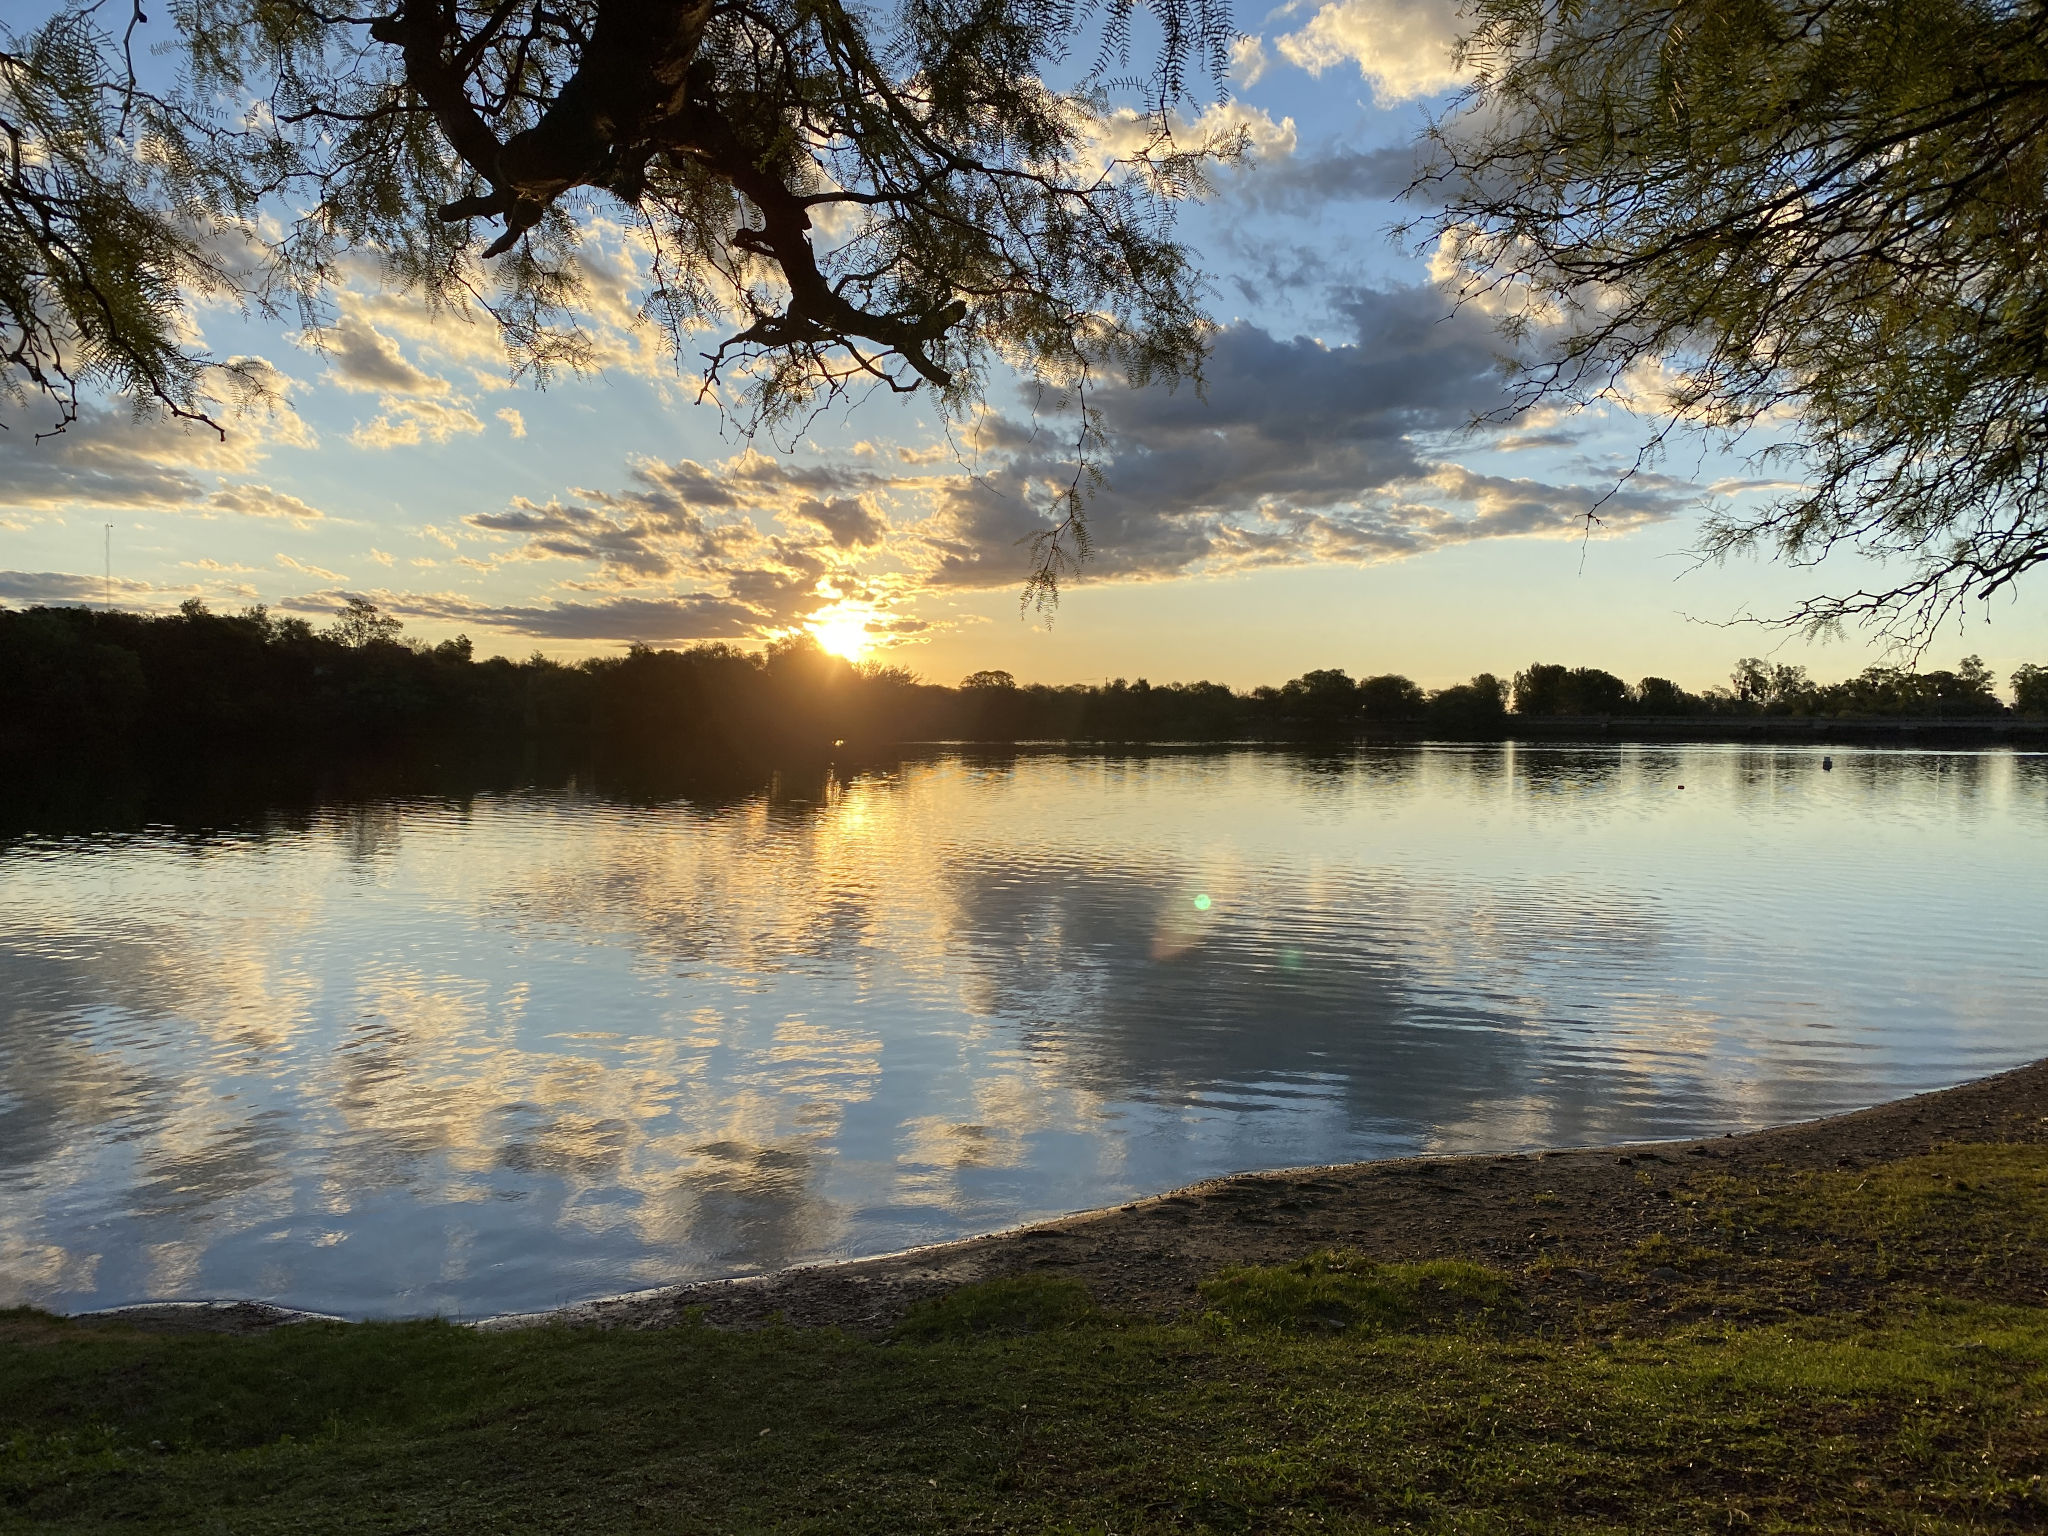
x: 1323, y: 502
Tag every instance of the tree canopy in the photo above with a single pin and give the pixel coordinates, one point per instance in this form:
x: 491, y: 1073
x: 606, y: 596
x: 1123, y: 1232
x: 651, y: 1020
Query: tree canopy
x: 1818, y: 219
x: 893, y: 194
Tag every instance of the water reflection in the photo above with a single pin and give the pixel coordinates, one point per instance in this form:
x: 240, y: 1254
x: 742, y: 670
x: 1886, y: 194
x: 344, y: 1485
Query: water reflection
x: 494, y: 1051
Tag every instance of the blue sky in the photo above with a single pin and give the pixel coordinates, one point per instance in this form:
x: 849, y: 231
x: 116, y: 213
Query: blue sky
x: 1321, y: 504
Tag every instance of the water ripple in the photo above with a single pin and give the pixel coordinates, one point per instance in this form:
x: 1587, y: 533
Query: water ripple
x: 499, y: 1052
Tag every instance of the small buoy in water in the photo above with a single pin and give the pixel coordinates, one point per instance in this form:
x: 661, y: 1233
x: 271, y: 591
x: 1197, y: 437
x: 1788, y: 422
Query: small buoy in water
x: 1827, y: 765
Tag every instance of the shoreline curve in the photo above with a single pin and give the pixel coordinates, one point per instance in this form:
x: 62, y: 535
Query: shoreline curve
x: 1146, y: 1257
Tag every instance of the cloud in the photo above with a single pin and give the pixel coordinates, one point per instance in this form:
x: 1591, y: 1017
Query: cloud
x: 1303, y: 450
x: 61, y: 589
x: 261, y: 501
x: 1306, y: 183
x: 759, y: 543
x: 363, y: 359
x: 1126, y: 132
x: 684, y: 519
x: 848, y: 522
x: 1247, y: 62
x: 116, y: 459
x: 264, y: 404
x: 467, y: 336
x: 1299, y: 450
x: 574, y: 532
x: 1522, y: 508
x: 407, y: 422
x: 1284, y: 425
x: 514, y: 422
x: 654, y: 620
x: 305, y: 569
x: 611, y: 267
x: 1402, y: 47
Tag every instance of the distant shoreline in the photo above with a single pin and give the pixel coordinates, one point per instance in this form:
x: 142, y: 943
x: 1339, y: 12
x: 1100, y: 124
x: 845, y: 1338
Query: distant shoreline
x: 1148, y: 1256
x: 1577, y: 730
x: 195, y: 687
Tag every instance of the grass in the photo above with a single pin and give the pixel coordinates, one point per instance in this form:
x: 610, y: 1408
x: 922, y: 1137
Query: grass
x: 1332, y: 1292
x: 1337, y: 1394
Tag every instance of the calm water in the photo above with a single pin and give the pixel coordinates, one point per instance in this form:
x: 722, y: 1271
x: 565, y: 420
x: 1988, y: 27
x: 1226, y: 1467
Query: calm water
x: 504, y: 1052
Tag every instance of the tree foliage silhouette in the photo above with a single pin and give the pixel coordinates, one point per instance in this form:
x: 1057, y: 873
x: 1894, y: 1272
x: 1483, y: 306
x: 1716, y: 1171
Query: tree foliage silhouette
x: 893, y: 195
x: 1820, y: 216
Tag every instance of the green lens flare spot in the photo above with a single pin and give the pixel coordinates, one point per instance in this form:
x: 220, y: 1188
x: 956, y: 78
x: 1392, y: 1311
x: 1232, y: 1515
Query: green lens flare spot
x: 1202, y: 902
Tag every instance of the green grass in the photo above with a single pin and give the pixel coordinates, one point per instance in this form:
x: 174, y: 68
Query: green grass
x: 1337, y: 1394
x: 1012, y: 1304
x: 1332, y: 1292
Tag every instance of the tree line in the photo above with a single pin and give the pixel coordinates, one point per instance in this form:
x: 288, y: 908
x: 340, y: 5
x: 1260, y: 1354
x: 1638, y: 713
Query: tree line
x: 79, y: 681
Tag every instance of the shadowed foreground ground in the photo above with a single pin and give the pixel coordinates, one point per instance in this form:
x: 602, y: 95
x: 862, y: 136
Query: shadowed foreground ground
x: 1832, y: 1327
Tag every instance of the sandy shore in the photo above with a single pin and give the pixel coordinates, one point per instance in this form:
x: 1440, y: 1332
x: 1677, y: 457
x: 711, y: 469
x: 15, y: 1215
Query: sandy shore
x: 1148, y: 1257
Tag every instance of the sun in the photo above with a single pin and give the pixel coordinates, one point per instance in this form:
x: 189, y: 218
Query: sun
x: 843, y: 631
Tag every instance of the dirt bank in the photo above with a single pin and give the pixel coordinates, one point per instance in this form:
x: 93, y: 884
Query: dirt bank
x: 1531, y: 1214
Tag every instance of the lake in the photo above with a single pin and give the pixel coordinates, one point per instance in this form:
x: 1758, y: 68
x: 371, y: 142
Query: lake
x: 499, y: 1052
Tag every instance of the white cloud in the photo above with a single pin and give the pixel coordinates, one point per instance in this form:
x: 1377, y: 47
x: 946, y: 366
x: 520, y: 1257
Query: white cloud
x: 1248, y: 62
x: 1403, y: 47
x: 263, y: 408
x: 305, y: 569
x: 1126, y: 133
x: 262, y: 501
x: 514, y: 422
x: 407, y: 422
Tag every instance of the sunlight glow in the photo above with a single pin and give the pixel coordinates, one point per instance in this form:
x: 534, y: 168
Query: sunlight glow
x: 843, y: 631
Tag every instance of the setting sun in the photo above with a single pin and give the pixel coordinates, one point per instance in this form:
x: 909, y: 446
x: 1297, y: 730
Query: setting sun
x: 843, y: 631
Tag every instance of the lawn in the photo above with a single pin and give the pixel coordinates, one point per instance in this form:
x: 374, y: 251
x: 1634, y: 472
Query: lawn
x: 1858, y: 1351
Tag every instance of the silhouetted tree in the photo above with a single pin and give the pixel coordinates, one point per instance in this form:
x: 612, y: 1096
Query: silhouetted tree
x: 1553, y: 690
x: 2030, y: 691
x: 896, y: 195
x: 196, y: 683
x: 1480, y: 705
x: 1325, y: 700
x: 1773, y: 687
x: 1823, y: 218
x: 360, y: 624
x: 1661, y: 696
x: 1390, y: 699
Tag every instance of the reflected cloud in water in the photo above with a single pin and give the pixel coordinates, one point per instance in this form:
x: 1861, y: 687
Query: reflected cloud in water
x: 498, y: 1052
